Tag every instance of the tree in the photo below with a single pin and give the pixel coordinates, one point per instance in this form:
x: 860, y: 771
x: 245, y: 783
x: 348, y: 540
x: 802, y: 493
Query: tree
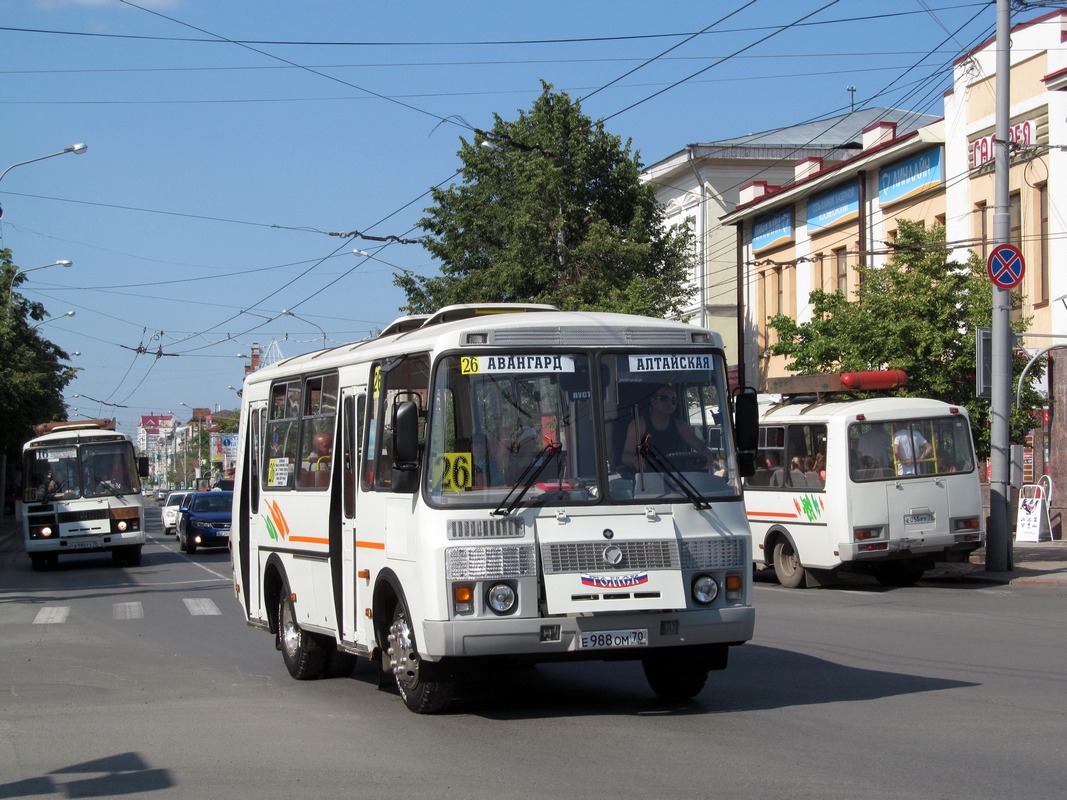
x: 551, y: 210
x: 919, y: 313
x: 32, y: 375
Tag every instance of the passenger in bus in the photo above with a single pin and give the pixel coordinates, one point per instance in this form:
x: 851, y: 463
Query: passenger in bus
x: 909, y: 448
x: 818, y: 468
x: 874, y: 448
x: 670, y: 435
x: 316, y: 467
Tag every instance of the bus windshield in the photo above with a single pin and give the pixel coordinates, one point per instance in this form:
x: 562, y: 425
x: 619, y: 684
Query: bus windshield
x: 70, y: 471
x: 532, y: 426
x: 909, y: 447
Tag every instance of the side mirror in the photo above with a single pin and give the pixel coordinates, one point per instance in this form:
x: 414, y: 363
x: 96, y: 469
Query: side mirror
x: 405, y: 467
x: 746, y: 430
x: 142, y: 466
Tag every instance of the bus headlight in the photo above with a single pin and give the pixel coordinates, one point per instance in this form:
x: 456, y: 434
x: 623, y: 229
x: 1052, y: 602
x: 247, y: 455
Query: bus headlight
x: 120, y: 526
x: 705, y: 589
x: 501, y: 598
x: 42, y: 532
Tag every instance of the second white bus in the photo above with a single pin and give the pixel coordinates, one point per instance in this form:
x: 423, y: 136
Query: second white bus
x: 455, y: 491
x: 82, y: 493
x: 885, y: 485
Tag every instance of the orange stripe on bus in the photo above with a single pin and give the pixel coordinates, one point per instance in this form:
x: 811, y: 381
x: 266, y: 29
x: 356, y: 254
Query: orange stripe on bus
x: 782, y: 515
x: 309, y: 539
x: 371, y: 545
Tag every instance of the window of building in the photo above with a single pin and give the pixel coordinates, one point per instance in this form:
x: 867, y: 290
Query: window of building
x: 1041, y: 284
x: 841, y: 267
x: 981, y: 223
x: 1015, y: 219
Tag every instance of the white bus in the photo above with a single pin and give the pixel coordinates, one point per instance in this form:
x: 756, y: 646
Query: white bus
x: 82, y: 493
x: 454, y: 491
x: 887, y: 485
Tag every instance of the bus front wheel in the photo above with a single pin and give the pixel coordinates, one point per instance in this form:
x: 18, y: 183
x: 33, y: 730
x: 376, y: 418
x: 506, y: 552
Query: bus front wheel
x: 787, y: 564
x: 672, y: 676
x: 304, y: 657
x: 419, y: 695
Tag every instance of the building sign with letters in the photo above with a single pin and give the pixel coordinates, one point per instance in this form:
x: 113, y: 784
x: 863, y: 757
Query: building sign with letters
x: 772, y: 229
x: 910, y: 177
x: 1022, y: 133
x: 834, y: 207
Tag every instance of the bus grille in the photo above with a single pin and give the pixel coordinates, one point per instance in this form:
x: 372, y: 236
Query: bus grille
x: 567, y: 557
x: 484, y: 562
x: 712, y: 553
x: 485, y: 529
x: 84, y: 516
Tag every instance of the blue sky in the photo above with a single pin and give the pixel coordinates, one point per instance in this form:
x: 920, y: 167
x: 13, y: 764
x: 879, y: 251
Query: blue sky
x: 227, y: 139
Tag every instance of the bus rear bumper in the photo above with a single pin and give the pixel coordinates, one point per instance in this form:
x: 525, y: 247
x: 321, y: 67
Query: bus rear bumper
x: 936, y: 546
x: 554, y: 637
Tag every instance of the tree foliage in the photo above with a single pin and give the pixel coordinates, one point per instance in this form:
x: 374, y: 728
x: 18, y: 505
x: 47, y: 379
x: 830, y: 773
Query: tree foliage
x: 919, y: 313
x: 551, y: 210
x: 32, y: 375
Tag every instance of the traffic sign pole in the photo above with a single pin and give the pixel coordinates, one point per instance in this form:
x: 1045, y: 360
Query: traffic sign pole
x: 998, y: 528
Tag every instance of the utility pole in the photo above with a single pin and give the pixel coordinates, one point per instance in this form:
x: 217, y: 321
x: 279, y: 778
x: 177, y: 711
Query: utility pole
x: 998, y: 526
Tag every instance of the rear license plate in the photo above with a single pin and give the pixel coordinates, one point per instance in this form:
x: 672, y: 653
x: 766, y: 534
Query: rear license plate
x: 918, y: 519
x: 606, y: 640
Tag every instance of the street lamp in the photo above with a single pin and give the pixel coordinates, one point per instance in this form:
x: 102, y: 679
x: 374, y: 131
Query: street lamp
x: 63, y: 262
x: 287, y: 313
x: 77, y: 149
x: 52, y: 319
x: 365, y: 254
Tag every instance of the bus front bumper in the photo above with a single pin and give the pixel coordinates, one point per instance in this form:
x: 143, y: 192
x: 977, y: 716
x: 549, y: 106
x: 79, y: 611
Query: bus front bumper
x: 570, y: 636
x: 86, y: 543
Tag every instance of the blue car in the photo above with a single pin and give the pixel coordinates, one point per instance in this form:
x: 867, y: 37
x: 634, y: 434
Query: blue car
x: 204, y: 520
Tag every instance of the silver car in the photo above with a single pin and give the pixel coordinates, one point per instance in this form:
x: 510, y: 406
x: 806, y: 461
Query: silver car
x: 169, y: 511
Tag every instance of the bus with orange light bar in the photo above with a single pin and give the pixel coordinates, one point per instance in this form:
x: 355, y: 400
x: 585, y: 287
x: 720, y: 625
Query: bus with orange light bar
x: 475, y: 486
x: 883, y: 485
x: 82, y: 493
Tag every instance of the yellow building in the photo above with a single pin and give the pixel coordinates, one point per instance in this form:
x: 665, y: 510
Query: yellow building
x: 813, y: 232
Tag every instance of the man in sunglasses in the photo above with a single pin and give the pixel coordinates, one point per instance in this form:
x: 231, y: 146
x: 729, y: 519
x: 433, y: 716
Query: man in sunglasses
x: 671, y: 434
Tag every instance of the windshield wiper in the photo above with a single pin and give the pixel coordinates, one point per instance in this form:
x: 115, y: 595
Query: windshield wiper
x: 660, y: 463
x: 527, y: 478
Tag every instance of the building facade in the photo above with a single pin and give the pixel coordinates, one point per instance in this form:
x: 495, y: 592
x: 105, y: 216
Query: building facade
x: 702, y: 182
x: 814, y: 232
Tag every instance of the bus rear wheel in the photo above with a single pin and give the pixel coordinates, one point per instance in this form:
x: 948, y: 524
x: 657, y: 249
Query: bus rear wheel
x: 419, y: 695
x: 787, y: 566
x: 304, y: 657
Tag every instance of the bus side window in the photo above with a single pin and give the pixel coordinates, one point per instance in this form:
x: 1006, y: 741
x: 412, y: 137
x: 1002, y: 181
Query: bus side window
x: 770, y: 458
x: 282, y: 440
x: 352, y: 431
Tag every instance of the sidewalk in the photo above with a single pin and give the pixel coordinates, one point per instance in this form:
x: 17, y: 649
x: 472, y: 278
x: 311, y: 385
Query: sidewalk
x: 1034, y: 563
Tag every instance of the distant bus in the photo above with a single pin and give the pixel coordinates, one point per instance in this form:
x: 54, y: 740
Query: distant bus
x: 887, y: 485
x: 82, y: 493
x: 456, y: 491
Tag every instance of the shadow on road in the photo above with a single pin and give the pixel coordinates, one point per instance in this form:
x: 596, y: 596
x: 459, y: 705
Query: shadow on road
x: 758, y: 679
x: 113, y: 776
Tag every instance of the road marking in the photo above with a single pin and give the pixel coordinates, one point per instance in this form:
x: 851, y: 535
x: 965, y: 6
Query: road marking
x: 201, y: 607
x: 132, y: 610
x: 51, y: 615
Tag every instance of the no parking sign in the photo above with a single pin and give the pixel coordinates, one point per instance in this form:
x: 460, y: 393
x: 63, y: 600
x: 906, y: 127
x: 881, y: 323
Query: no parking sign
x: 1005, y: 266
